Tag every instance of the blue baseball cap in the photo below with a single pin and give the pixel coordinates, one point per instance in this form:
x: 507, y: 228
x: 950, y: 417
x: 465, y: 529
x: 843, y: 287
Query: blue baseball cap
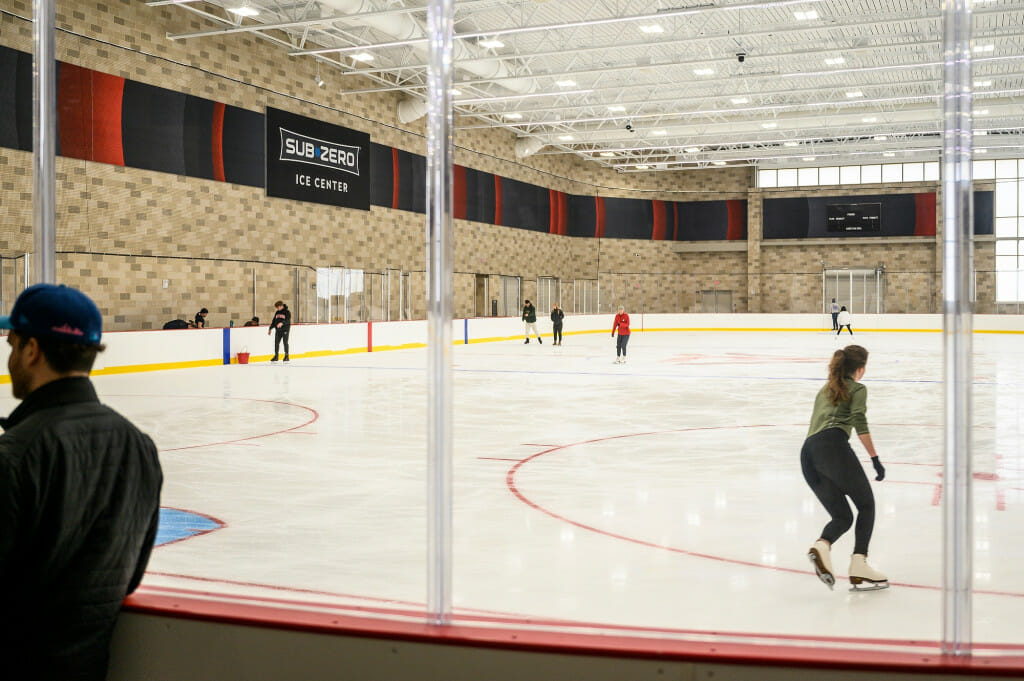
x: 55, y: 312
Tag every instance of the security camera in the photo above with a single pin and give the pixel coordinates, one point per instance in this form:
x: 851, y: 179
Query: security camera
x: 629, y: 126
x: 741, y: 57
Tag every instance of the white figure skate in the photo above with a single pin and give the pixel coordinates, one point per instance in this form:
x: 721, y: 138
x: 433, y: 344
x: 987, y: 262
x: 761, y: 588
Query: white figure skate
x: 863, y: 577
x: 820, y: 556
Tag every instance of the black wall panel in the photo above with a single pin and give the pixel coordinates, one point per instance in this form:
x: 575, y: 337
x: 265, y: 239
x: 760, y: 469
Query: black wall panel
x: 244, y: 158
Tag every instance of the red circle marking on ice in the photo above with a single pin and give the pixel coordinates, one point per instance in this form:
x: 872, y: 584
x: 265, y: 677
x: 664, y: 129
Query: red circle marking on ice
x: 510, y: 481
x: 313, y: 412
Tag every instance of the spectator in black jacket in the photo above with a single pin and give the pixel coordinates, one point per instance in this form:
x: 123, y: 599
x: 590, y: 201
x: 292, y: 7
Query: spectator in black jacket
x: 281, y: 323
x: 201, y: 318
x: 79, y: 496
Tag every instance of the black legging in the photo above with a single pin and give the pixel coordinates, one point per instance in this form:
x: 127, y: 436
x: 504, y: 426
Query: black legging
x: 620, y: 345
x: 847, y: 328
x: 556, y: 330
x: 832, y: 470
x: 281, y: 335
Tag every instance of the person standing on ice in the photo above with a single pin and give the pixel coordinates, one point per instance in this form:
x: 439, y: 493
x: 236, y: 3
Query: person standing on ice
x: 833, y: 472
x: 530, y: 320
x: 621, y: 324
x: 843, y: 319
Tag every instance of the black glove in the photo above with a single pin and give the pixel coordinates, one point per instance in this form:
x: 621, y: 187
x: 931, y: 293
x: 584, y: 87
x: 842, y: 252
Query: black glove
x: 879, y: 468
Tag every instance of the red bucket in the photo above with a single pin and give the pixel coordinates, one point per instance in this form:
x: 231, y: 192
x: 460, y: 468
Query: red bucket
x: 243, y: 358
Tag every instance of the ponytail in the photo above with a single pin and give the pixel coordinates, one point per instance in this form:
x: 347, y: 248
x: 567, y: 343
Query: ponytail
x: 842, y: 366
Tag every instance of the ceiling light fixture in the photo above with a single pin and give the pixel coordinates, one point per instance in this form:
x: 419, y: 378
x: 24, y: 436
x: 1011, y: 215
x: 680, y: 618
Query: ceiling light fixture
x: 808, y: 15
x: 981, y: 151
x: 652, y: 28
x: 870, y: 119
x: 616, y: 107
x: 244, y: 10
x: 879, y: 138
x: 835, y: 61
x: 704, y: 72
x: 983, y: 83
x: 565, y: 83
x: 980, y: 132
x: 740, y: 100
x: 608, y: 154
x: 659, y: 132
x: 808, y: 158
x: 769, y: 126
x: 566, y: 138
x: 491, y: 43
x: 642, y: 166
x: 718, y: 163
x: 889, y: 154
x: 854, y: 93
x: 985, y: 48
x: 691, y: 150
x: 981, y: 112
x: 362, y: 56
x: 513, y: 116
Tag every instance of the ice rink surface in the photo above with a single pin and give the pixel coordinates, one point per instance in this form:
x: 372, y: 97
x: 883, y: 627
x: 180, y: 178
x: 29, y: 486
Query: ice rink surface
x: 662, y: 496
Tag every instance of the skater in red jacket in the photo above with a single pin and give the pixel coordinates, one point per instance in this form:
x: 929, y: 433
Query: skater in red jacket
x: 622, y: 326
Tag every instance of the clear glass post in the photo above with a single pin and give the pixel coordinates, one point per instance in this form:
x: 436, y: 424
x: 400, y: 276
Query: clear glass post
x: 44, y: 142
x: 957, y: 263
x: 440, y: 265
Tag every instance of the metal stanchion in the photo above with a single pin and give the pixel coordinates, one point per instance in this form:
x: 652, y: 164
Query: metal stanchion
x: 957, y: 257
x: 44, y: 143
x: 440, y: 265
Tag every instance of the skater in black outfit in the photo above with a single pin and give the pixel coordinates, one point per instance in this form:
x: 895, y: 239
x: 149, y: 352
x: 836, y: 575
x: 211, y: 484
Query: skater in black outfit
x: 281, y: 324
x: 833, y: 472
x: 843, y: 319
x: 556, y: 323
x: 200, y: 321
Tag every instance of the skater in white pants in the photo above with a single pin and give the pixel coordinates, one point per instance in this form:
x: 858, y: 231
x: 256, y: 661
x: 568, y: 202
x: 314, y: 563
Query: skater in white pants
x: 530, y: 319
x: 832, y: 469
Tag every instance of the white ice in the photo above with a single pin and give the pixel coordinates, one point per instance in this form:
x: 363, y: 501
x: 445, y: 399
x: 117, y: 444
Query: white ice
x: 664, y: 494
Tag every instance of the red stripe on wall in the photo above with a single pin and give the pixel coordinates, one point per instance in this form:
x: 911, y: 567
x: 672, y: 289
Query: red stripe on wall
x: 658, y: 231
x: 395, y: 178
x: 74, y: 111
x: 599, y: 216
x: 217, y: 141
x: 497, y: 200
x: 459, y: 191
x: 552, y: 211
x: 924, y: 214
x: 107, y: 98
x: 737, y: 220
x: 675, y: 221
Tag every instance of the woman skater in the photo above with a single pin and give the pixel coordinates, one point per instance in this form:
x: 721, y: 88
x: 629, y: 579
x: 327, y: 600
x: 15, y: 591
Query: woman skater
x: 832, y: 470
x: 556, y: 323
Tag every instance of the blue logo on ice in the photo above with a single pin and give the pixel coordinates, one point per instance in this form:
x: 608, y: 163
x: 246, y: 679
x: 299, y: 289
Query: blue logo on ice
x: 176, y: 525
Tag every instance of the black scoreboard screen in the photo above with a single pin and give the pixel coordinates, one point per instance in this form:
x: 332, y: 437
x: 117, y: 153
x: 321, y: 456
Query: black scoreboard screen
x: 854, y: 217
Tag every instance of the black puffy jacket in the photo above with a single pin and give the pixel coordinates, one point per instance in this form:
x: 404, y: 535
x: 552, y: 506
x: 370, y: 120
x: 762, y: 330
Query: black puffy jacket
x: 79, y: 507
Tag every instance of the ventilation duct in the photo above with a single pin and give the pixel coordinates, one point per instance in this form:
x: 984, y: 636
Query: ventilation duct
x: 528, y: 146
x: 411, y: 109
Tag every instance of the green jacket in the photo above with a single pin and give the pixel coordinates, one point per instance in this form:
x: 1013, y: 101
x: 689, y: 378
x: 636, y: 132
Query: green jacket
x: 853, y: 413
x: 529, y: 314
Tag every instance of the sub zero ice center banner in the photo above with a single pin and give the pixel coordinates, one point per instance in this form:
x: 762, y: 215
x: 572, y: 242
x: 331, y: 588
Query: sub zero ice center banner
x: 310, y: 160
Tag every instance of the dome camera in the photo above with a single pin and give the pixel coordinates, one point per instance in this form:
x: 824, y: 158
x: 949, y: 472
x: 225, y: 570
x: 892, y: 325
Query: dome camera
x: 741, y: 57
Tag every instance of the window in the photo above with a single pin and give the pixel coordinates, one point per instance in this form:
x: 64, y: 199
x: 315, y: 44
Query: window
x: 1009, y: 202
